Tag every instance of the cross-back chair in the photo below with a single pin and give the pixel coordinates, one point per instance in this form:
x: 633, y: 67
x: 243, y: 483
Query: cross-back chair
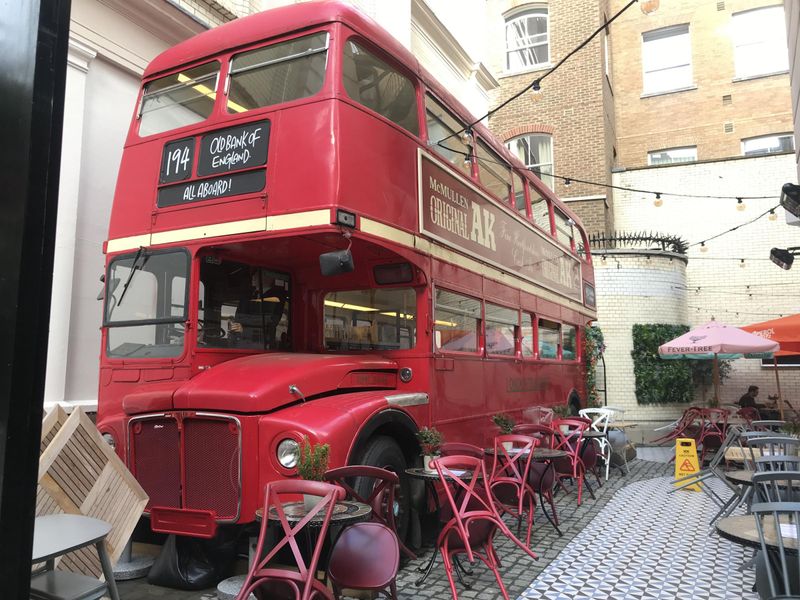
x: 712, y: 430
x: 268, y: 582
x: 538, y: 415
x: 683, y: 427
x: 600, y: 418
x: 568, y: 436
x: 542, y: 476
x: 381, y: 498
x: 475, y: 519
x: 509, y: 483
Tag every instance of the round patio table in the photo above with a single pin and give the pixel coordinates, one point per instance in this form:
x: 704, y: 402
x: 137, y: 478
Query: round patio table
x: 345, y: 512
x: 742, y: 530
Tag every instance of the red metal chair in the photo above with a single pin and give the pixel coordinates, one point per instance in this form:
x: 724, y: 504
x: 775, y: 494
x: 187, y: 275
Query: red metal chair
x: 715, y: 424
x: 475, y: 519
x: 381, y: 497
x: 542, y: 475
x: 683, y: 426
x: 510, y: 481
x: 749, y: 414
x: 568, y: 436
x: 365, y: 557
x: 461, y: 449
x: 278, y: 583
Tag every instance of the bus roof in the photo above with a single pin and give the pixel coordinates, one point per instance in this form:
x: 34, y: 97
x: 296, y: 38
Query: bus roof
x: 296, y: 17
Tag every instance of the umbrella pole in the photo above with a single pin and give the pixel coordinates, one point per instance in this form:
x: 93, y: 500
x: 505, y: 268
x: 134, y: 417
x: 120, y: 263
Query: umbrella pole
x: 778, y: 384
x: 716, y: 380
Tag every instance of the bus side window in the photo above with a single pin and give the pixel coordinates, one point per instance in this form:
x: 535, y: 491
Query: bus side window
x: 456, y: 322
x: 569, y: 342
x: 493, y: 172
x: 371, y: 82
x: 540, y: 211
x: 526, y: 335
x: 520, y: 204
x: 501, y: 325
x: 441, y: 125
x: 564, y: 232
x: 549, y: 338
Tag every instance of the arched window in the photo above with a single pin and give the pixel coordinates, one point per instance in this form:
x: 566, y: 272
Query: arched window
x: 535, y: 150
x: 527, y: 40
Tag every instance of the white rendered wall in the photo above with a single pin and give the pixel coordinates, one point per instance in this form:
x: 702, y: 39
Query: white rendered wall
x: 723, y: 292
x: 634, y: 289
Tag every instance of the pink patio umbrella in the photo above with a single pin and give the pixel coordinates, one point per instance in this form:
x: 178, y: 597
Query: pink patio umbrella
x: 714, y: 341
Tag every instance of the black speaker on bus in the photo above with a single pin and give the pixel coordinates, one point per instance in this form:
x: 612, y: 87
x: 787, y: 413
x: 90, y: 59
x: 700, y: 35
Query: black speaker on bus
x: 336, y: 263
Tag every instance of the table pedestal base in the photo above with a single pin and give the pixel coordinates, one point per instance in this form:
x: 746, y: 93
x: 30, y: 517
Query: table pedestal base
x: 132, y: 567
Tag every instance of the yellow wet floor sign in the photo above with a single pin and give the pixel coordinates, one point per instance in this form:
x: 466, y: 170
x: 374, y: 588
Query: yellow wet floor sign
x: 686, y: 461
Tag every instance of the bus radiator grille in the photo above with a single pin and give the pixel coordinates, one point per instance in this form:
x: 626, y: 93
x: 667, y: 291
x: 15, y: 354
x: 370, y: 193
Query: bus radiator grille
x: 212, y: 458
x: 156, y: 460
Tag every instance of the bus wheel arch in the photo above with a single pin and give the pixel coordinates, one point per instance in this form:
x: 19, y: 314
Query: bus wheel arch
x: 388, y: 441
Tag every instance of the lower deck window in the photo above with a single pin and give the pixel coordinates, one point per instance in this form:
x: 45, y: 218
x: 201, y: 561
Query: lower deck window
x: 456, y: 322
x: 375, y: 319
x: 549, y: 335
x: 569, y: 342
x: 501, y: 325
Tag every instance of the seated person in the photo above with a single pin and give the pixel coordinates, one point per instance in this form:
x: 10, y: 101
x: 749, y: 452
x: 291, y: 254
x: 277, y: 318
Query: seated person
x: 749, y: 400
x: 258, y: 315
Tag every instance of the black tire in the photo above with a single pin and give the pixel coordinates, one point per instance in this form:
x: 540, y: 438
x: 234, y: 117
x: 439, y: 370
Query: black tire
x: 574, y: 405
x: 382, y: 451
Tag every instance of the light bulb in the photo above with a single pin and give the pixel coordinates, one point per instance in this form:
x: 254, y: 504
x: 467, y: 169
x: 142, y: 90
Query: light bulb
x: 740, y: 205
x: 703, y: 247
x: 567, y: 181
x: 658, y: 201
x: 648, y: 7
x: 773, y: 216
x: 466, y: 137
x: 741, y: 263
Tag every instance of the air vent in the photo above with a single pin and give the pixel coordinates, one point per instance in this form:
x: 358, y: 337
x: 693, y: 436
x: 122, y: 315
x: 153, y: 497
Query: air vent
x: 720, y: 5
x: 727, y: 99
x: 728, y: 127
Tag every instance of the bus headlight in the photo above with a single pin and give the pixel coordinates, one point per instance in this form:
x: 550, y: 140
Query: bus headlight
x: 109, y: 439
x: 288, y: 453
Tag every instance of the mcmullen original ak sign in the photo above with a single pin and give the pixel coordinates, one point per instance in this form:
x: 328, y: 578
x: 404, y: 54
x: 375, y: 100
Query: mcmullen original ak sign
x: 462, y: 217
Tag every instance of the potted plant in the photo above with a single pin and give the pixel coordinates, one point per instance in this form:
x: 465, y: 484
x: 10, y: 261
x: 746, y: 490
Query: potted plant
x: 311, y: 466
x: 506, y: 425
x: 430, y: 439
x: 562, y: 411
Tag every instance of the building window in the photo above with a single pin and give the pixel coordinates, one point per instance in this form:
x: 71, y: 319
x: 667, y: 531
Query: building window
x: 527, y: 43
x: 536, y: 152
x: 759, y: 42
x: 768, y: 144
x: 666, y: 59
x: 672, y: 156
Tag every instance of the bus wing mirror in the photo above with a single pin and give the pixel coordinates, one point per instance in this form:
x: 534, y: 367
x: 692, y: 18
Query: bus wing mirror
x: 112, y: 285
x: 336, y: 263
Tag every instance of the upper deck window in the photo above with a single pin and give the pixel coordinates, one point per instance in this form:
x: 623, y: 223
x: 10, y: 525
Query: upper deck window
x: 493, y: 172
x: 540, y: 210
x: 564, y: 228
x: 278, y: 73
x: 441, y: 125
x: 371, y: 82
x: 177, y: 100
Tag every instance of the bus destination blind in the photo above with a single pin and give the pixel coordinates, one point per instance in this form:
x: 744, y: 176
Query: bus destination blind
x: 213, y: 188
x: 224, y: 152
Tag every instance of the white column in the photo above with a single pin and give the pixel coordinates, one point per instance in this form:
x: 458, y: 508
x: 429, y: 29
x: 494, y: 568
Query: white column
x: 78, y: 61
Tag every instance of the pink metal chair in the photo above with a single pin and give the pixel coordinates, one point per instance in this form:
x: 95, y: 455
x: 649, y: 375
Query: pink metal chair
x: 749, y: 414
x: 475, y: 519
x: 381, y: 497
x: 568, y: 436
x: 683, y: 427
x: 713, y: 431
x: 365, y: 557
x: 275, y: 583
x: 542, y: 476
x: 510, y: 484
x: 461, y: 449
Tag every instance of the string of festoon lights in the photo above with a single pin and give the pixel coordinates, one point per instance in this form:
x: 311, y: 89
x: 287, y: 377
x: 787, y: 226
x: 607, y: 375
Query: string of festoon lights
x: 737, y: 312
x: 647, y: 6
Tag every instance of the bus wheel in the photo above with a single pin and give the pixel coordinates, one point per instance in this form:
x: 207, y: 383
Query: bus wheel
x: 574, y: 404
x: 383, y: 452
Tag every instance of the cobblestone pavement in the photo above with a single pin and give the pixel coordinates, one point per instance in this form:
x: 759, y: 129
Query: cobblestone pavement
x: 518, y: 569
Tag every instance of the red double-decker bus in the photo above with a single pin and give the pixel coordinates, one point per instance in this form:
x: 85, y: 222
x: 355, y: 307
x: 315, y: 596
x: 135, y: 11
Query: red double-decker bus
x: 291, y: 254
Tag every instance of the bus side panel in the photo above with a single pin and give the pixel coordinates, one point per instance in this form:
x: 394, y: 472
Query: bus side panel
x: 378, y: 168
